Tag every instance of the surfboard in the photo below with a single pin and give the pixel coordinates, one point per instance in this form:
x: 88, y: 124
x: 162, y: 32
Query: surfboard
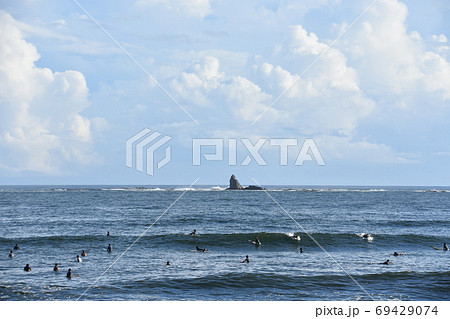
x: 437, y: 248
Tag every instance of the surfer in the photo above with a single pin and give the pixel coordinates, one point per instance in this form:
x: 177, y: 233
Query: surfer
x: 27, y: 267
x: 296, y: 237
x: 109, y: 249
x: 194, y: 232
x: 387, y: 262
x: 168, y: 263
x: 201, y: 249
x: 11, y: 254
x: 107, y: 234
x: 301, y: 250
x: 56, y: 268
x: 79, y: 259
x: 16, y: 247
x: 445, y: 247
x: 69, y: 273
x: 83, y: 253
x: 397, y: 254
x: 246, y: 260
x: 257, y: 242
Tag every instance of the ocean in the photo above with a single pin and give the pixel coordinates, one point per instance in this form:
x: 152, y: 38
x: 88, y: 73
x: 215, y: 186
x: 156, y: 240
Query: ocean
x: 151, y: 225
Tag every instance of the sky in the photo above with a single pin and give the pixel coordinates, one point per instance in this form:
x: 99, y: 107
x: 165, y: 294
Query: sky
x: 367, y: 81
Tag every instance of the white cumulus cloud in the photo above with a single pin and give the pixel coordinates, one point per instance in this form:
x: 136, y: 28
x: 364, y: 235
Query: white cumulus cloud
x: 41, y: 125
x: 390, y: 59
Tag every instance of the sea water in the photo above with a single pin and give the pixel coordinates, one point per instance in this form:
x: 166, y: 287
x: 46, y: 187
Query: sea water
x: 151, y: 225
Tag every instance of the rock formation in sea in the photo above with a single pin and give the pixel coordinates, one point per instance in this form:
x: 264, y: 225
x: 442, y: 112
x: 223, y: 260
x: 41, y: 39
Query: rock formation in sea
x: 235, y: 185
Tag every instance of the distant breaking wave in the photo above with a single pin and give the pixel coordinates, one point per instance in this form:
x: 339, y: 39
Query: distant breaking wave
x: 237, y: 240
x: 210, y: 189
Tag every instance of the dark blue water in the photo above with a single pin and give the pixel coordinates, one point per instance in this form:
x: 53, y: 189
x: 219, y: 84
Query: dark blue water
x: 54, y: 224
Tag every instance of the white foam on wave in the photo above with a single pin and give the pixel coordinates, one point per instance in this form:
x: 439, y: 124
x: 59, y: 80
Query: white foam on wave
x: 183, y: 189
x: 290, y: 234
x: 368, y: 238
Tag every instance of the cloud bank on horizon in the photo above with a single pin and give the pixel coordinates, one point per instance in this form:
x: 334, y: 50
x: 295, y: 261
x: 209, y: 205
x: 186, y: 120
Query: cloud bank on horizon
x: 378, y: 101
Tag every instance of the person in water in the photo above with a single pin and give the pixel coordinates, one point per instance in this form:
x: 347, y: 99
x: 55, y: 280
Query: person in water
x: 296, y: 237
x: 11, y: 254
x: 16, y: 247
x: 445, y: 247
x: 69, y: 273
x: 83, y: 254
x: 193, y: 233
x: 79, y: 259
x: 109, y: 249
x: 387, y: 262
x: 301, y: 250
x: 258, y: 243
x: 107, y: 234
x: 27, y: 267
x: 246, y: 260
x: 200, y: 249
x: 56, y: 268
x: 397, y: 254
x: 168, y: 263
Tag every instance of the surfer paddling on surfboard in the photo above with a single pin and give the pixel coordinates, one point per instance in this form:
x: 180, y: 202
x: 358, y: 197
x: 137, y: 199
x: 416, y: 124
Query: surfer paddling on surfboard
x: 201, y: 249
x: 397, y: 254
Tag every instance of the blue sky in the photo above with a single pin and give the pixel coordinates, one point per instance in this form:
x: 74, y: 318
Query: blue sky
x: 377, y: 103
